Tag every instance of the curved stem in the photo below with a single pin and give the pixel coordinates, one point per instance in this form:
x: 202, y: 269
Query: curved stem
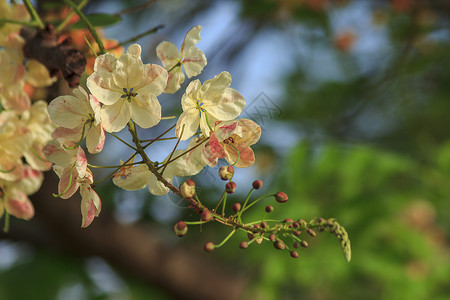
x: 69, y: 17
x: 34, y: 14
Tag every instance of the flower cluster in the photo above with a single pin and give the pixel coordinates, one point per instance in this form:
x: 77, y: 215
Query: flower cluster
x: 123, y: 93
x: 25, y: 127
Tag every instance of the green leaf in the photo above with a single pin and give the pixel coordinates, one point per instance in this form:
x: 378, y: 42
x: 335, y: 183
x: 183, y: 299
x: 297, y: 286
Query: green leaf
x: 98, y: 20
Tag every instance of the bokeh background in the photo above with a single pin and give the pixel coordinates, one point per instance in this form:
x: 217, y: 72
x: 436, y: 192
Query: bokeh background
x: 353, y: 97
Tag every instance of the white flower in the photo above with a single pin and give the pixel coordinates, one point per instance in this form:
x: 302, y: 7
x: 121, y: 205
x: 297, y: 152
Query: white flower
x: 192, y: 58
x: 128, y: 89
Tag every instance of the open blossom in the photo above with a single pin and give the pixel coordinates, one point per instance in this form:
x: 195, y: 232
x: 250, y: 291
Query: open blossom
x: 127, y: 88
x: 132, y: 178
x: 205, y: 104
x: 78, y: 115
x: 192, y: 58
x: 232, y: 140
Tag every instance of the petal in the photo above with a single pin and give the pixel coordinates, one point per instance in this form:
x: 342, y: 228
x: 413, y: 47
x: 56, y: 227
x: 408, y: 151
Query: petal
x: 208, y: 156
x: 68, y: 111
x: 95, y: 139
x: 58, y: 155
x: 103, y: 87
x: 96, y: 108
x: 190, y: 97
x: 36, y: 158
x: 216, y: 147
x: 132, y: 178
x: 129, y: 72
x: 205, y: 128
x: 193, y: 61
x: 31, y: 180
x: 226, y: 129
x: 168, y: 54
x: 248, y: 131
x: 227, y: 106
x: 105, y: 63
x: 81, y: 163
x: 18, y: 204
x: 245, y: 159
x: 68, y: 137
x: 135, y: 49
x: 115, y: 117
x: 38, y: 75
x: 90, y: 204
x: 190, y: 120
x: 145, y: 110
x: 176, y: 78
x: 191, y: 39
x: 68, y: 183
x: 156, y: 187
x: 214, y: 88
x: 154, y: 80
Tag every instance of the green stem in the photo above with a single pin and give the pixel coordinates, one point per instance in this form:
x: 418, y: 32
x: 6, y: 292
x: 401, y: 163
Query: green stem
x: 69, y: 17
x: 122, y: 141
x: 88, y: 24
x: 34, y: 14
x: 137, y: 37
x: 226, y: 239
x: 116, y: 166
x: 187, y: 151
x: 6, y: 225
x: 32, y: 23
x: 173, y: 151
x: 162, y: 134
x: 117, y: 169
x: 68, y: 186
x: 254, y: 202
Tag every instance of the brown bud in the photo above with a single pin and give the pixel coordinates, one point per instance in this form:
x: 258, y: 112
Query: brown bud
x: 296, y: 245
x: 209, y: 247
x: 207, y: 215
x: 187, y: 188
x: 243, y: 245
x: 294, y: 254
x: 257, y: 184
x: 269, y: 208
x: 278, y: 244
x: 226, y: 172
x: 264, y: 224
x: 281, y: 197
x: 180, y: 229
x: 250, y: 236
x: 230, y: 187
x: 272, y: 237
x: 304, y: 244
x: 297, y: 233
x: 296, y: 224
x: 288, y: 220
x: 302, y: 222
x: 236, y: 207
x: 311, y: 232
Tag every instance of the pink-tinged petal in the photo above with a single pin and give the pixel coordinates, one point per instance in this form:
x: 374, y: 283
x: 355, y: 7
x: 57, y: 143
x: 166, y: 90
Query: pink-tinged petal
x: 190, y: 120
x: 176, y: 78
x: 10, y: 167
x: 156, y: 187
x: 216, y: 147
x: 103, y: 87
x: 36, y: 158
x: 105, y: 63
x: 132, y: 178
x: 135, y: 50
x: 68, y: 137
x: 95, y: 139
x: 90, y: 205
x: 246, y: 157
x: 68, y: 111
x: 193, y: 62
x: 18, y: 204
x: 81, y: 163
x: 56, y: 154
x: 68, y: 183
x: 228, y: 105
x: 115, y: 117
x: 168, y: 54
x: 214, y: 88
x: 208, y: 156
x: 129, y: 72
x: 15, y: 99
x: 226, y: 129
x: 31, y: 180
x: 191, y: 39
x: 249, y: 131
x: 154, y: 80
x: 145, y: 110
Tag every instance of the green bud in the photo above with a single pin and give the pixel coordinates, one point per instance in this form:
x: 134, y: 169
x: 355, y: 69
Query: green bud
x: 180, y: 229
x: 209, y: 247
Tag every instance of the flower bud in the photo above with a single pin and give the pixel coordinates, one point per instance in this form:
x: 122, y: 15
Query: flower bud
x: 230, y: 187
x: 226, y: 172
x: 294, y: 254
x: 207, y: 215
x: 187, y: 188
x: 236, y: 207
x: 243, y: 245
x: 311, y: 232
x: 180, y: 229
x: 264, y: 224
x: 296, y: 245
x: 278, y: 244
x: 257, y: 184
x: 272, y: 237
x: 297, y: 233
x: 304, y: 244
x: 281, y: 197
x: 269, y: 208
x: 288, y: 220
x: 209, y: 247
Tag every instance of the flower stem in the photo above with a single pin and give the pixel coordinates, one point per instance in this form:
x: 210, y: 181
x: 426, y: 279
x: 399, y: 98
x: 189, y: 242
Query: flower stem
x: 6, y: 225
x: 69, y: 17
x: 34, y: 14
x: 226, y: 239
